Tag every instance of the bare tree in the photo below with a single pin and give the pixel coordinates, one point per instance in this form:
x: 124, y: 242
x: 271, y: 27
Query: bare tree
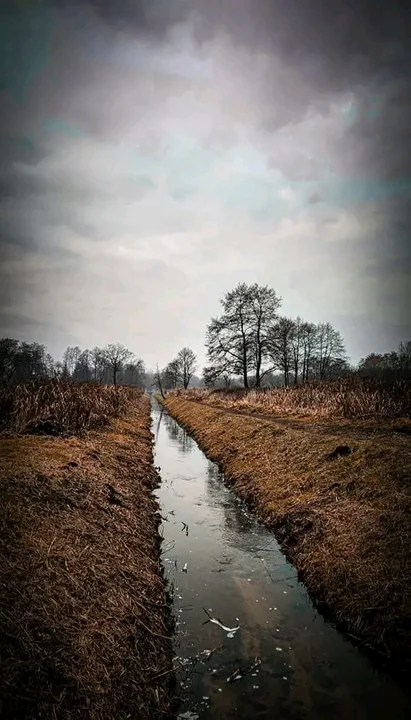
x: 171, y: 375
x: 115, y: 355
x: 70, y: 357
x: 97, y: 363
x: 134, y: 374
x: 238, y: 340
x: 82, y: 370
x: 187, y: 365
x: 308, y: 333
x: 157, y: 379
x: 330, y: 350
x: 281, y: 346
x: 297, y: 347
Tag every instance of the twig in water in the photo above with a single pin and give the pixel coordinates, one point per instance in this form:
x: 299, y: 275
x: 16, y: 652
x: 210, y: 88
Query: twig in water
x: 230, y: 631
x: 240, y: 672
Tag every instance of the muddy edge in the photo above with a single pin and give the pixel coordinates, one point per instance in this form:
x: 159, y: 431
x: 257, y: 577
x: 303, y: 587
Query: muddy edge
x: 85, y: 627
x: 340, y: 509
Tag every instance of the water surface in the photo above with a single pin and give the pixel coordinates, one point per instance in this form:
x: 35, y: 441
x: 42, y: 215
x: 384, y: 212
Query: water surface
x: 218, y: 557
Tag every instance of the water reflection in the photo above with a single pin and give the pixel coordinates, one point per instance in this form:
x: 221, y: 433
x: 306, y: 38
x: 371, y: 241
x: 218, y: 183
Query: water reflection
x: 238, y: 521
x: 178, y: 434
x: 236, y: 570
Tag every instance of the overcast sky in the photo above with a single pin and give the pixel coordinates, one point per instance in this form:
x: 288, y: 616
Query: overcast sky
x: 154, y: 153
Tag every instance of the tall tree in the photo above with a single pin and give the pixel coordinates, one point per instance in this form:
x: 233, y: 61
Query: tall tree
x: 187, y: 365
x: 70, y: 358
x: 171, y: 374
x: 308, y: 340
x: 330, y: 350
x: 238, y: 340
x: 115, y: 355
x: 281, y: 339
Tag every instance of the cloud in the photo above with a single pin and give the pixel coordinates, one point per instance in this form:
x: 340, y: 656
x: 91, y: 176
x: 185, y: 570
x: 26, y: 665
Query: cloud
x: 168, y: 150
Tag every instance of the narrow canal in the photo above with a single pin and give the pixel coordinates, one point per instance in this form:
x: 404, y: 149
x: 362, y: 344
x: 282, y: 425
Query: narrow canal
x: 223, y: 565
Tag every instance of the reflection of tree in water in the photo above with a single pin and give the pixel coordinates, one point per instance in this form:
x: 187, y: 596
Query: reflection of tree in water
x: 178, y: 434
x: 240, y: 530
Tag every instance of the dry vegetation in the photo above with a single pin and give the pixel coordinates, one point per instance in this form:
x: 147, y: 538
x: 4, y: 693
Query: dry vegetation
x: 339, y: 505
x: 353, y: 398
x: 84, y: 625
x: 58, y: 407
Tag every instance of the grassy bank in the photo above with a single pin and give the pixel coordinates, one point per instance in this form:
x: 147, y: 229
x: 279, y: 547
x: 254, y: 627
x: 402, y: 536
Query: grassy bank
x: 356, y: 398
x: 84, y: 625
x: 340, y: 507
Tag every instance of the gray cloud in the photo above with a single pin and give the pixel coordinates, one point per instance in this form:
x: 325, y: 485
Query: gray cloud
x: 104, y: 218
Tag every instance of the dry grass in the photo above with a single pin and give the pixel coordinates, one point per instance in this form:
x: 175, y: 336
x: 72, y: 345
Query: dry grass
x: 345, y: 522
x: 84, y: 628
x: 58, y: 407
x: 352, y: 398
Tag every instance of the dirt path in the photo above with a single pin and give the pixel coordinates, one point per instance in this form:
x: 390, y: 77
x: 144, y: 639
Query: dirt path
x: 397, y: 433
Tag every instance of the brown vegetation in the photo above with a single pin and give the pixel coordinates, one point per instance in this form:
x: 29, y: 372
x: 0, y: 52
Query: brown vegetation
x: 84, y: 625
x: 340, y: 507
x: 351, y: 398
x: 59, y: 407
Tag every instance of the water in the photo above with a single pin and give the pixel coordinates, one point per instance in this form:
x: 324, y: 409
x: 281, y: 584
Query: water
x: 236, y: 571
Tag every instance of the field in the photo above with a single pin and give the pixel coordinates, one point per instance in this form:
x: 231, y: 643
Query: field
x: 84, y: 623
x: 337, y: 496
x: 352, y: 399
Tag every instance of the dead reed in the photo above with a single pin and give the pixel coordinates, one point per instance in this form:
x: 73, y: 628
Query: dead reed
x: 351, y: 398
x: 85, y: 631
x: 58, y: 407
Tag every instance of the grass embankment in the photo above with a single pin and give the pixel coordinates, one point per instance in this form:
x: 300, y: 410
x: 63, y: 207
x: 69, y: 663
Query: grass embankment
x: 363, y: 400
x: 343, y: 517
x: 84, y: 625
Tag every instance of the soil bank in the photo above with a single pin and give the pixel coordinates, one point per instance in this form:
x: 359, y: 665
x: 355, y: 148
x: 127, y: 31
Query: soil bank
x: 85, y: 628
x: 340, y: 508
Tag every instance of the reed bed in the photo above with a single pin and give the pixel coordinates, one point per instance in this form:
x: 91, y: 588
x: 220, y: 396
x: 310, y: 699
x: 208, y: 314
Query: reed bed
x: 351, y: 398
x: 58, y: 407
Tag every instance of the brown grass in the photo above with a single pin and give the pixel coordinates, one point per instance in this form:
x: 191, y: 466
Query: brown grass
x: 84, y: 625
x: 345, y: 522
x: 351, y: 398
x: 58, y: 407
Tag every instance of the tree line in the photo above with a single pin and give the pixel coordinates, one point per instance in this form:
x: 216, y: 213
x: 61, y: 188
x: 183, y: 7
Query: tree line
x: 114, y: 363
x: 248, y: 344
x: 251, y: 341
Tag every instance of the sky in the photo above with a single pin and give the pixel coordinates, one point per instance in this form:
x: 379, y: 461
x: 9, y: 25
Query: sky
x: 155, y: 153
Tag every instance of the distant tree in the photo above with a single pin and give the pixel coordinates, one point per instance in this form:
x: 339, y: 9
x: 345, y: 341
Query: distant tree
x: 391, y: 365
x: 282, y: 335
x: 158, y: 381
x: 297, y: 344
x: 237, y: 341
x: 331, y: 352
x: 97, y: 363
x: 134, y: 374
x: 171, y: 375
x: 115, y: 355
x: 9, y: 358
x: 308, y: 332
x: 187, y: 365
x: 70, y: 358
x: 83, y: 369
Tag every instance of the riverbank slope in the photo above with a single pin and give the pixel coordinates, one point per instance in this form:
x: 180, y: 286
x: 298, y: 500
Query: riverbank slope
x: 84, y: 625
x: 340, y: 508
